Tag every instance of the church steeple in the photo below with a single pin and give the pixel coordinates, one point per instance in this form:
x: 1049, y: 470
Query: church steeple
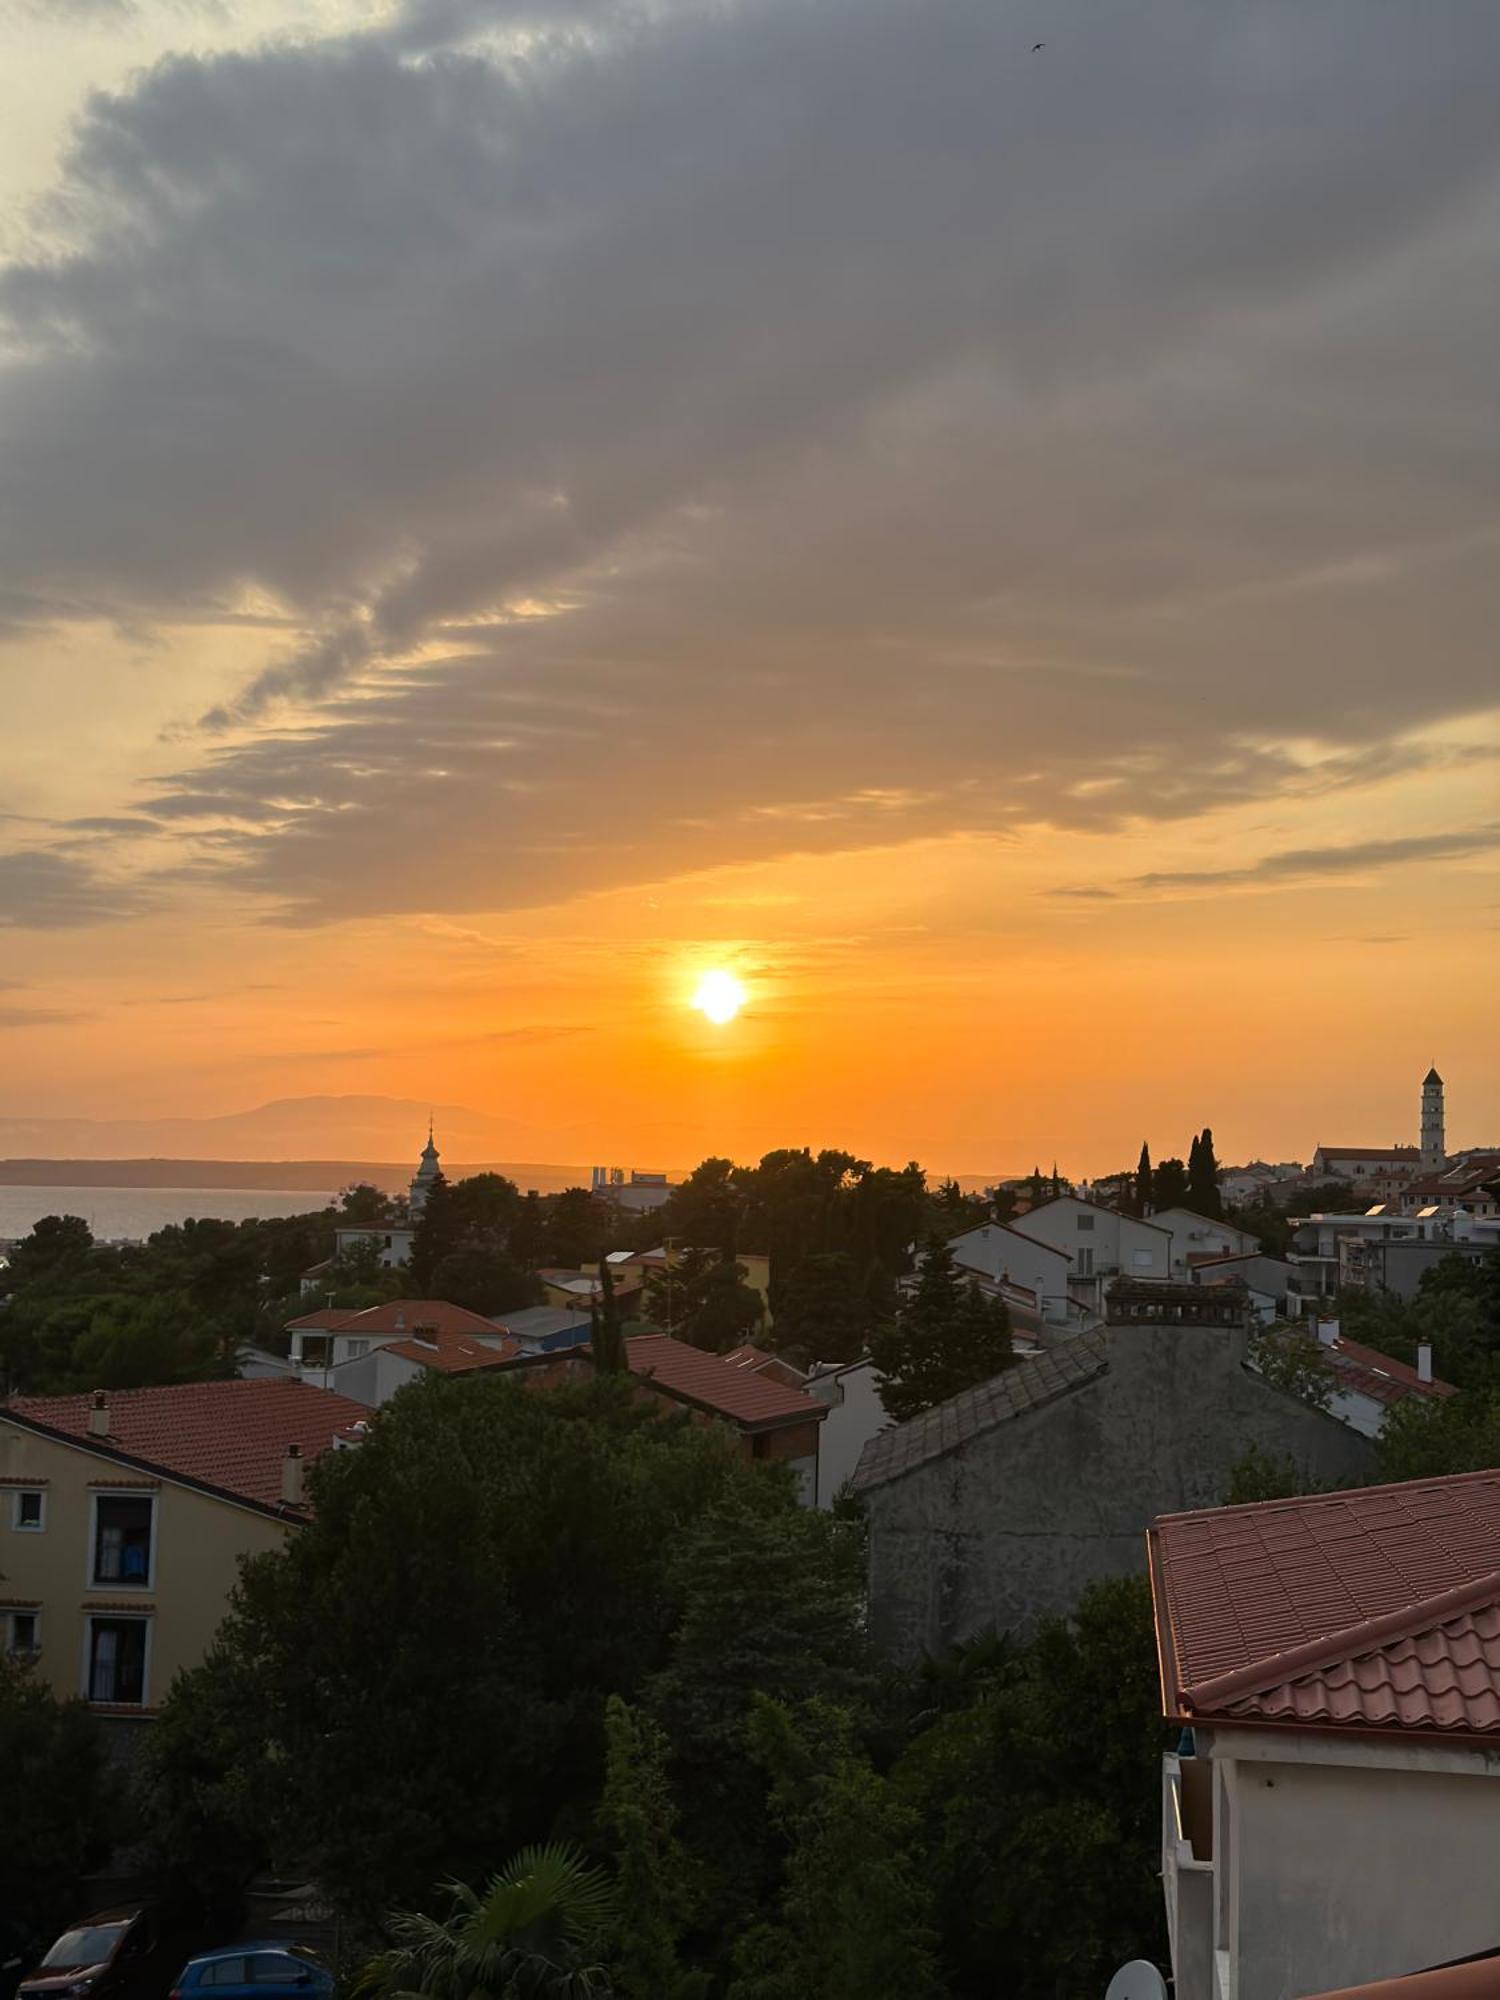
x: 427, y: 1172
x: 1434, y: 1145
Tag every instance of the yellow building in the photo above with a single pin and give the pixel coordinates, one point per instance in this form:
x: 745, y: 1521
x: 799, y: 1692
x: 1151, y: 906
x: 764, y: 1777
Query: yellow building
x: 123, y: 1516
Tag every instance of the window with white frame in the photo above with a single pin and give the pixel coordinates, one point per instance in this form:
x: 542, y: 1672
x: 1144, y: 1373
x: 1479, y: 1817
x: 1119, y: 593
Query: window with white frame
x: 28, y: 1511
x: 22, y: 1633
x: 358, y: 1349
x: 122, y: 1539
x: 1141, y: 1259
x: 1085, y: 1263
x: 115, y: 1664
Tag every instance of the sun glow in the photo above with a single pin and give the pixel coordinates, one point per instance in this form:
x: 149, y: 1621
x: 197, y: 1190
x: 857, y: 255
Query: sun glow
x: 720, y: 996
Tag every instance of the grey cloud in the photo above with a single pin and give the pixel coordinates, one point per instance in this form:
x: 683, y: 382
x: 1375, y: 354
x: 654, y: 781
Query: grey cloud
x: 41, y: 889
x: 1310, y: 863
x: 889, y: 417
x: 35, y: 1017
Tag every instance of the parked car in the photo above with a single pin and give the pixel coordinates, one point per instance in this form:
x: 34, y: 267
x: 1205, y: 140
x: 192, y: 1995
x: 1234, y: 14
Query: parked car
x: 260, y: 1971
x: 116, y: 1955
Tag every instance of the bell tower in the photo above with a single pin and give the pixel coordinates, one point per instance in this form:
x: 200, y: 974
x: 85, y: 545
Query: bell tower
x: 1434, y: 1149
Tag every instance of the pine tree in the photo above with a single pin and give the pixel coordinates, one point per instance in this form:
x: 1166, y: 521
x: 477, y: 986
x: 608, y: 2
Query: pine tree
x: 947, y: 1337
x: 1141, y: 1196
x: 437, y: 1235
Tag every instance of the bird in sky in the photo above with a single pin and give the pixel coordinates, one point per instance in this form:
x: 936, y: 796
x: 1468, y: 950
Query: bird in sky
x: 1037, y: 45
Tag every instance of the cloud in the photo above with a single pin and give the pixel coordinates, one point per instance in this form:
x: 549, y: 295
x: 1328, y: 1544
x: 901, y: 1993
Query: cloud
x: 35, y: 1017
x: 704, y: 432
x: 1319, y: 863
x: 41, y: 889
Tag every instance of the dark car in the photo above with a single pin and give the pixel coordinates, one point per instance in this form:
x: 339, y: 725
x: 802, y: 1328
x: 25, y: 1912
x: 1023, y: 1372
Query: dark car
x: 258, y: 1971
x: 112, y: 1956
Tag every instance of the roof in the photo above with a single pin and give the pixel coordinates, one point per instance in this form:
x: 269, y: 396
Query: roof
x: 1432, y: 1076
x: 1381, y: 1376
x: 1373, y: 1609
x: 456, y: 1353
x: 750, y: 1399
x: 1030, y: 1385
x: 1057, y: 1200
x: 227, y: 1437
x: 1471, y: 1979
x: 1370, y: 1152
x: 537, y: 1322
x: 396, y: 1316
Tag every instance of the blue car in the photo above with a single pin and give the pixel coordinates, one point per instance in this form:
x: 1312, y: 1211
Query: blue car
x: 255, y: 1972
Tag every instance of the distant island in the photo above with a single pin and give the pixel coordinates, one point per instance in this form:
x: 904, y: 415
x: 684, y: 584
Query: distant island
x: 317, y: 1176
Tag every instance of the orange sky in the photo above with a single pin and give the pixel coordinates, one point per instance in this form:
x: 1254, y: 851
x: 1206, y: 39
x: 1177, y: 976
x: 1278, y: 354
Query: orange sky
x: 1000, y: 555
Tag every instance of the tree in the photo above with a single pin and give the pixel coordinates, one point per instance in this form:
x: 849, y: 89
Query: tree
x: 948, y: 1336
x: 1203, y: 1178
x: 363, y: 1202
x: 438, y: 1234
x: 1259, y: 1475
x: 821, y: 1310
x: 854, y: 1912
x: 58, y: 1808
x: 639, y: 1820
x: 1423, y: 1438
x: 132, y: 1343
x: 485, y: 1279
x: 531, y: 1935
x: 707, y: 1209
x: 576, y: 1232
x: 702, y: 1297
x: 1295, y: 1360
x: 490, y: 1552
x: 607, y: 1336
x: 1169, y: 1184
x: 1042, y: 1835
x: 1140, y: 1197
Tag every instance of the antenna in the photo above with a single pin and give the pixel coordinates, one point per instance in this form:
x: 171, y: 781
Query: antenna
x: 1139, y: 1980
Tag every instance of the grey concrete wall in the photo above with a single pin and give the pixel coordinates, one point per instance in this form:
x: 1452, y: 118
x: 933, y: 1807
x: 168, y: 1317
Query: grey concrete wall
x: 1010, y: 1527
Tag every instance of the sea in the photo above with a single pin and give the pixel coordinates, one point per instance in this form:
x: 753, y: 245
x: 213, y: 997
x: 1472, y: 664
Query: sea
x: 127, y: 1214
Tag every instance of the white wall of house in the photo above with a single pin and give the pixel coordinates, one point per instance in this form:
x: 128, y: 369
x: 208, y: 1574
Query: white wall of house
x: 855, y: 1414
x: 1026, y: 1260
x: 371, y: 1379
x: 1099, y: 1241
x: 392, y: 1241
x: 1198, y: 1236
x: 1334, y: 1861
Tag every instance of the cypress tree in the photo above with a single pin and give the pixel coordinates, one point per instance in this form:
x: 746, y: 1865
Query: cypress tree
x: 606, y: 1337
x: 1142, y: 1193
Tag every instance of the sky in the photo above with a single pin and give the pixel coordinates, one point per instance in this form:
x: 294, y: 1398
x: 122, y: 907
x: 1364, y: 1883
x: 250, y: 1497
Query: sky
x: 507, y: 507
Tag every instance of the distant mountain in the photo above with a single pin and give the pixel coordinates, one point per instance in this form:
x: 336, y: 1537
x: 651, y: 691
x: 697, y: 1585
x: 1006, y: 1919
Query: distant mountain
x: 291, y: 1128
x: 316, y: 1176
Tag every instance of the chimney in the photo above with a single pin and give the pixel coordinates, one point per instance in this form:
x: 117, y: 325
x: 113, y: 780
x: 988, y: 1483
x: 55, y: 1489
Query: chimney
x: 1328, y: 1332
x: 1424, y: 1362
x: 99, y: 1415
x: 291, y: 1477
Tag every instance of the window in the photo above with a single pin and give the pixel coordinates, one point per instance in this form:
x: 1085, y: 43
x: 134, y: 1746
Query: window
x: 123, y: 1525
x: 1085, y: 1222
x: 357, y: 1349
x: 24, y: 1637
x: 277, y: 1968
x: 117, y: 1660
x: 1085, y: 1263
x: 1141, y: 1259
x: 225, y: 1972
x: 29, y: 1510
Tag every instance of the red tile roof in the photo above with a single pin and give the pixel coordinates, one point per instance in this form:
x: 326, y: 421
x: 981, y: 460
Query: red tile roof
x: 1381, y: 1376
x: 1371, y: 1152
x: 396, y: 1316
x: 228, y: 1436
x: 748, y: 1398
x: 1477, y: 1979
x: 457, y: 1353
x: 1374, y: 1609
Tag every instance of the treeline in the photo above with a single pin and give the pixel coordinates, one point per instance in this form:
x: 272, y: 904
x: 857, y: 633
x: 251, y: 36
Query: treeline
x: 668, y: 1669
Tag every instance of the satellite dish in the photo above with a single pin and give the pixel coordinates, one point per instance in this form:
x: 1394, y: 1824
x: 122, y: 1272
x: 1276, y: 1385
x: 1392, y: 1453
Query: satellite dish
x: 1139, y: 1980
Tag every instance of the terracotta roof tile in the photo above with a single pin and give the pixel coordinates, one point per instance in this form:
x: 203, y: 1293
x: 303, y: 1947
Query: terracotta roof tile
x: 1381, y: 1376
x: 751, y: 1399
x: 231, y: 1436
x: 1057, y: 1371
x: 1370, y: 1609
x: 395, y: 1316
x: 457, y: 1353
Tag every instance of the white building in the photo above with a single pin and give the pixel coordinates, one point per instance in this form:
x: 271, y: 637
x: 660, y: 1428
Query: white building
x: 1196, y: 1238
x: 1098, y: 1242
x: 321, y: 1342
x: 1333, y: 1813
x: 1011, y: 1257
x: 855, y: 1415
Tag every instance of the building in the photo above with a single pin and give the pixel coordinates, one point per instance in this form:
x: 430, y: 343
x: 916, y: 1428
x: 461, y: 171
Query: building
x: 392, y: 1242
x: 1265, y: 1280
x: 545, y: 1329
x: 1333, y: 1813
x: 1010, y: 1256
x: 1368, y: 1385
x: 1398, y: 1263
x: 373, y: 1378
x: 1100, y: 1242
x: 428, y: 1171
x: 637, y: 1194
x: 1362, y: 1164
x: 635, y: 1266
x: 1468, y: 1185
x: 999, y: 1506
x: 325, y: 1340
x: 1198, y: 1238
x: 1175, y: 1302
x: 1434, y: 1145
x: 582, y: 1289
x: 856, y: 1414
x: 124, y: 1515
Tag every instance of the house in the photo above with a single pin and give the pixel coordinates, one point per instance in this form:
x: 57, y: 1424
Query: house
x: 373, y: 1378
x: 771, y: 1419
x: 856, y: 1414
x: 1398, y: 1264
x: 1100, y: 1243
x: 1365, y: 1163
x: 765, y: 1363
x: 326, y: 1339
x: 1469, y: 1184
x: 124, y: 1515
x: 1333, y: 1812
x: 1368, y: 1385
x: 582, y: 1289
x: 544, y: 1329
x: 1320, y: 1248
x: 1265, y: 1279
x: 996, y: 1508
x: 1172, y: 1302
x: 1011, y: 1256
x: 1197, y: 1238
x: 638, y: 1265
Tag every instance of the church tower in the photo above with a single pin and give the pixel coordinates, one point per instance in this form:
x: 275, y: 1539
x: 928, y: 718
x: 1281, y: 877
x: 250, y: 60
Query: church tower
x: 428, y: 1171
x: 1434, y: 1150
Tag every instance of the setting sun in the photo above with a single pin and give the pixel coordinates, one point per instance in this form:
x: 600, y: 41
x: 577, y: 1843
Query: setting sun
x: 720, y: 996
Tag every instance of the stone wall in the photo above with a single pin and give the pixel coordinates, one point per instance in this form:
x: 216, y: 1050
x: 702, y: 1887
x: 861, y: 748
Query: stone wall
x: 1010, y: 1527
